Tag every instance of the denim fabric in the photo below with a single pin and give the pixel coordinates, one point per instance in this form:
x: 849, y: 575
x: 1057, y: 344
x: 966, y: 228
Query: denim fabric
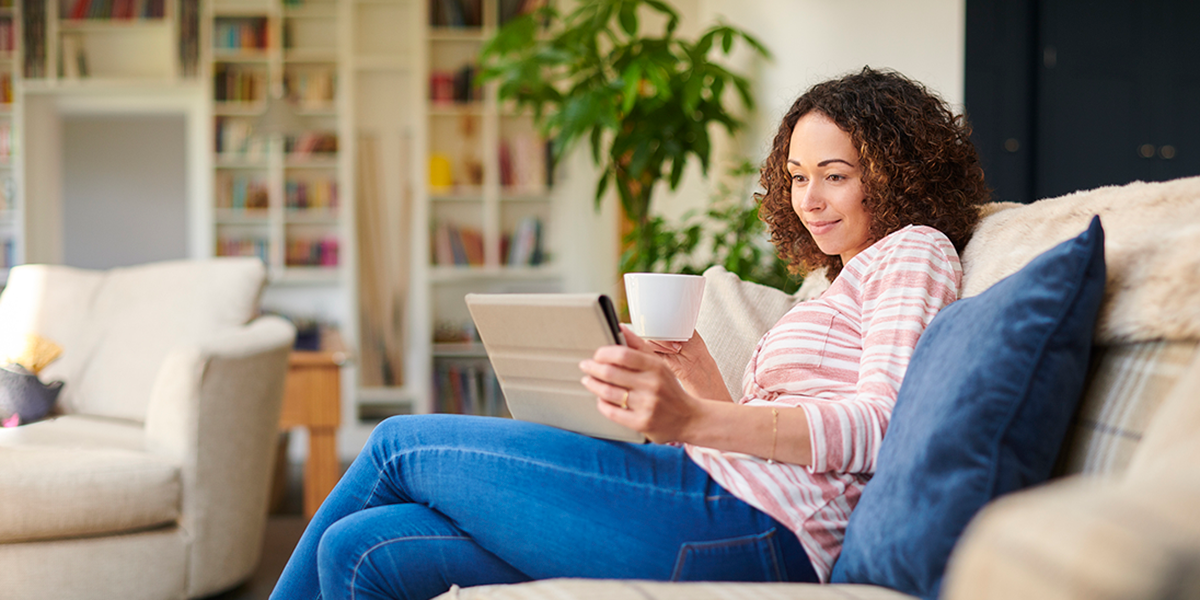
x: 435, y: 500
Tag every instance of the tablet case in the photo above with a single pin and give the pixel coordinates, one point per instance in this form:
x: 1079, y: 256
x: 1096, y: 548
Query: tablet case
x: 535, y: 343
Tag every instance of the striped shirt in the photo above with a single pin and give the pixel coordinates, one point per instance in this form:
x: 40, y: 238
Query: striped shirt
x: 839, y: 358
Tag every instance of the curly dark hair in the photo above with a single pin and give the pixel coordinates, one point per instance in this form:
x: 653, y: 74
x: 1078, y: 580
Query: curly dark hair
x: 918, y: 164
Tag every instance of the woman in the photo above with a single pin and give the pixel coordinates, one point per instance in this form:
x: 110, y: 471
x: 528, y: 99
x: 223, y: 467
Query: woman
x: 870, y: 176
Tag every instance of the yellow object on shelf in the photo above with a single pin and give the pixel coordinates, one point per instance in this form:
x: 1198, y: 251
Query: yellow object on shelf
x: 441, y: 175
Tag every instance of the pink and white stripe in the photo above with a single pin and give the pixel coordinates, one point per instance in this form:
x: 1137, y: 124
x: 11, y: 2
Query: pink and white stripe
x: 840, y: 359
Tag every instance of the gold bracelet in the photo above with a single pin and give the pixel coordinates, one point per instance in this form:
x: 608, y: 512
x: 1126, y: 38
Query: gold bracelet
x: 774, y: 434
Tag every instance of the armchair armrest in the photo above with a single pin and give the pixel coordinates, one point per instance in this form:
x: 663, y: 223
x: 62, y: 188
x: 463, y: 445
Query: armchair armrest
x: 1083, y: 538
x: 214, y: 409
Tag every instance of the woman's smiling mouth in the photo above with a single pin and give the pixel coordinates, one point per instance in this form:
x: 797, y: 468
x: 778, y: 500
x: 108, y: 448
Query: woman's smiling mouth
x: 820, y: 227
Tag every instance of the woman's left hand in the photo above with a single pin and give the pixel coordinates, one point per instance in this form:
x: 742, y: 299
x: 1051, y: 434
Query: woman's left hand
x: 690, y: 361
x: 637, y: 389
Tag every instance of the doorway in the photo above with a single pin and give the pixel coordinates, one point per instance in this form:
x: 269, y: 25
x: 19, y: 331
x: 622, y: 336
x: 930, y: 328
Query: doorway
x: 124, y: 189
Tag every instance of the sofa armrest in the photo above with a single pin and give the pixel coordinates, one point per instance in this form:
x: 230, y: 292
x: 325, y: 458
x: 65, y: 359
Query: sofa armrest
x: 1083, y: 538
x: 214, y: 409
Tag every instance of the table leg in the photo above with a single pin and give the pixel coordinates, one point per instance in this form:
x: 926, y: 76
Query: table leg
x: 321, y: 471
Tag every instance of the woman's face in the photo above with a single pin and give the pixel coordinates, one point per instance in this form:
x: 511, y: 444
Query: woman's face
x: 827, y: 191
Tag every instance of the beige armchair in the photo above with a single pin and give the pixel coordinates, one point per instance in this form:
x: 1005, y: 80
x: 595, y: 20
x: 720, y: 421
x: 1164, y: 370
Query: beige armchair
x: 154, y: 481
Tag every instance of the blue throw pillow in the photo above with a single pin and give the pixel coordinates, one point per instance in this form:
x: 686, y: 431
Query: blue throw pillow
x: 983, y: 410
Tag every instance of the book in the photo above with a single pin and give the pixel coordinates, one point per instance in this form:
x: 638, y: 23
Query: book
x: 525, y: 246
x: 80, y: 9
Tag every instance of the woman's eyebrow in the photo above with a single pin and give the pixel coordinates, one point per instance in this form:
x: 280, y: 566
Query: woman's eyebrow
x: 824, y: 163
x: 833, y: 160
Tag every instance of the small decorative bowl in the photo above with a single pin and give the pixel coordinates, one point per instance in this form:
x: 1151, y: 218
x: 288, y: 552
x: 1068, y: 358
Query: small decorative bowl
x: 22, y: 393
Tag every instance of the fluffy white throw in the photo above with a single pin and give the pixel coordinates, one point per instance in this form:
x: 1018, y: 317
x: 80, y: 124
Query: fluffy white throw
x: 1152, y: 253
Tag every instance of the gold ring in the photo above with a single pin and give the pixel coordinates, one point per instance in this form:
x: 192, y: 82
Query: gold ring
x: 625, y: 400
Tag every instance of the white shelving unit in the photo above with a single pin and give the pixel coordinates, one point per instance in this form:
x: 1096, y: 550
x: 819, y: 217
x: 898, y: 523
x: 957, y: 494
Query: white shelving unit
x: 484, y: 193
x: 361, y: 71
x: 279, y: 197
x: 11, y: 230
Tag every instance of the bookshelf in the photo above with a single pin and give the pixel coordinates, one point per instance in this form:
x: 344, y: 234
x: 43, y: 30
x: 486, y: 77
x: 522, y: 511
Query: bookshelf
x: 10, y: 229
x: 486, y: 194
x: 71, y: 42
x: 278, y: 195
x: 463, y: 382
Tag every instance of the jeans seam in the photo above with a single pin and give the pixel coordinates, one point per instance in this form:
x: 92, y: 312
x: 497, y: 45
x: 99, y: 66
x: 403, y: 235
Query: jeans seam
x: 658, y: 488
x: 775, y: 558
x: 358, y: 564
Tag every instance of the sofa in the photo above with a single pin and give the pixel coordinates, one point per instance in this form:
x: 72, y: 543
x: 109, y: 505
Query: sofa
x: 1120, y: 517
x: 152, y: 480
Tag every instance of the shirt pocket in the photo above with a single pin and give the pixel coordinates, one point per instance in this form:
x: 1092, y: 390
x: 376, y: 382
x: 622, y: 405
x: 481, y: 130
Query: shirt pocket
x: 801, y: 342
x: 747, y: 558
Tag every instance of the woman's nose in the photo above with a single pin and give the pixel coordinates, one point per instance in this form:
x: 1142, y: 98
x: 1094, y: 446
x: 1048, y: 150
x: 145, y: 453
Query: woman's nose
x: 811, y: 198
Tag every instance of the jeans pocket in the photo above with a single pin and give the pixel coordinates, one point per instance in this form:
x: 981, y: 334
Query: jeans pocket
x: 747, y: 558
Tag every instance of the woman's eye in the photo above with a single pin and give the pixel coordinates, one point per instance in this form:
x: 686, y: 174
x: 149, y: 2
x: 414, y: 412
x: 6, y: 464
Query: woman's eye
x: 797, y: 178
x: 836, y: 177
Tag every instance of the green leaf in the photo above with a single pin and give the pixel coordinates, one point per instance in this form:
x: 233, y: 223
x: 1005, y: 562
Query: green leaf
x: 704, y: 45
x: 743, y: 88
x: 677, y: 167
x: 596, y: 134
x: 628, y: 17
x: 756, y: 45
x: 633, y: 79
x: 692, y: 88
x: 601, y: 187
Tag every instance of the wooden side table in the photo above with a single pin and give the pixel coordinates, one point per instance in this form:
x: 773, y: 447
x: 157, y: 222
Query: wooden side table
x: 312, y: 400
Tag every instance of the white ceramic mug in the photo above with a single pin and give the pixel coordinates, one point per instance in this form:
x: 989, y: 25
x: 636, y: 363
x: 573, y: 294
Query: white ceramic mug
x: 664, y: 306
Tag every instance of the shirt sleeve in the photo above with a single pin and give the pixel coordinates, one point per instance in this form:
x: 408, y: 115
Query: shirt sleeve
x: 915, y: 274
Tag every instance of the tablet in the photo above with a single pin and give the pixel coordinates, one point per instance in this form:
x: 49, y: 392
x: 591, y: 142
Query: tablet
x: 535, y: 343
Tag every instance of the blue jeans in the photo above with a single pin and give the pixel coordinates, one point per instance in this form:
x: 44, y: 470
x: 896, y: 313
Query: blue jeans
x: 435, y: 500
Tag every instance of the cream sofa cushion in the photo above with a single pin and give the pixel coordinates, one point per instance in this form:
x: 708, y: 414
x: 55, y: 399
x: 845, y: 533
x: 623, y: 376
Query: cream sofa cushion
x: 115, y: 326
x: 1128, y: 384
x: 612, y: 589
x: 145, y: 565
x: 78, y: 475
x: 1172, y: 440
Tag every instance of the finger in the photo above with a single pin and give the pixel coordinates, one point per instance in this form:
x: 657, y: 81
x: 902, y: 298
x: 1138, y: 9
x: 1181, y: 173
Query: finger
x: 664, y: 347
x: 607, y: 392
x: 627, y: 358
x: 632, y: 339
x: 617, y: 415
x: 614, y: 375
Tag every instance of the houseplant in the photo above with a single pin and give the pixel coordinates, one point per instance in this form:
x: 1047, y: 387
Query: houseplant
x: 645, y: 101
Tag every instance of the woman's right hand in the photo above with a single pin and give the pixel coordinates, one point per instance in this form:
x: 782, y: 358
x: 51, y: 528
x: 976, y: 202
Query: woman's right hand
x: 691, y: 363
